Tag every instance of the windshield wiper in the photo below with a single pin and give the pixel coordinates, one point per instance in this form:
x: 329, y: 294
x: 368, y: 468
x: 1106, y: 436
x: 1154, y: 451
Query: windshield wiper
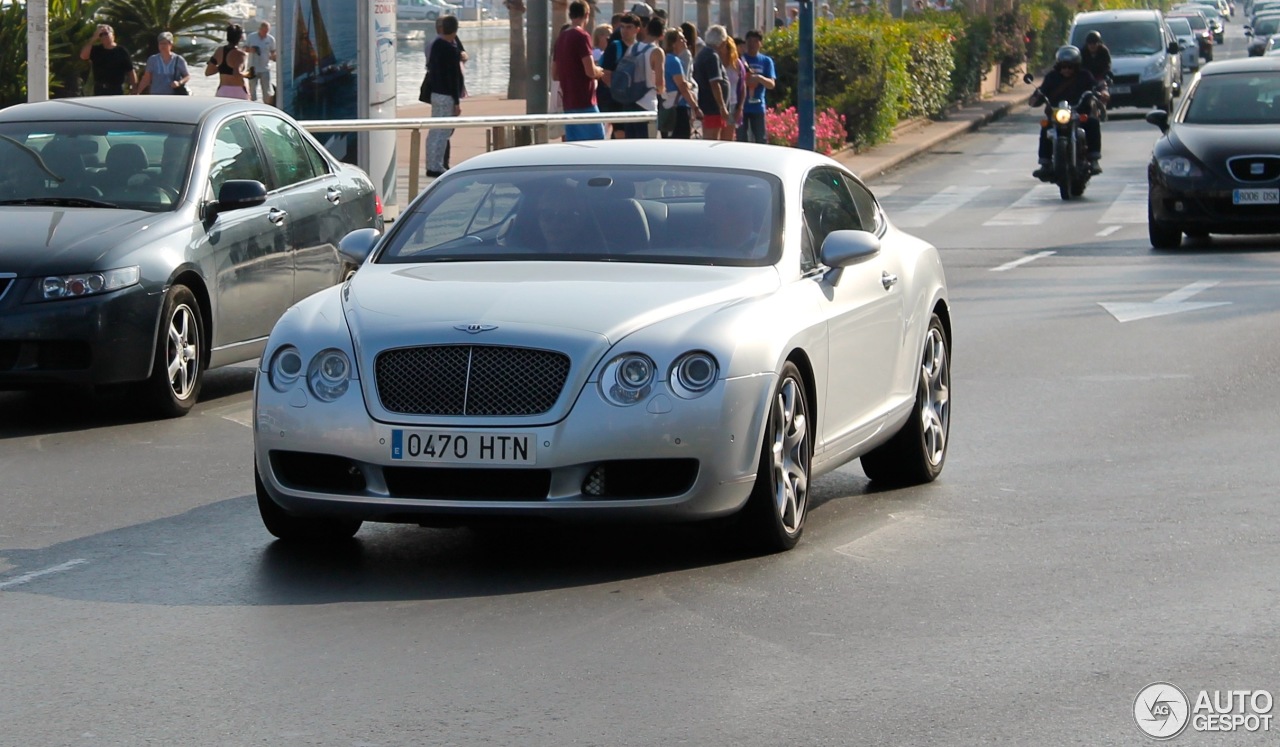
x: 61, y: 202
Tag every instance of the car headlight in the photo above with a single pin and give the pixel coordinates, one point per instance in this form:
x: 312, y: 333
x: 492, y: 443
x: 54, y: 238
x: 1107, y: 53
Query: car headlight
x: 285, y: 368
x: 329, y: 374
x: 89, y: 283
x: 1155, y: 69
x: 1062, y: 116
x: 1177, y: 166
x: 693, y: 374
x: 628, y: 379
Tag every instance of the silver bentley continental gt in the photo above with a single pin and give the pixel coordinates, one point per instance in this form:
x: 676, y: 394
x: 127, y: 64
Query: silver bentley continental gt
x: 629, y: 329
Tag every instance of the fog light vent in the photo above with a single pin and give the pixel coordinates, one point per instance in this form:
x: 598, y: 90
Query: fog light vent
x: 594, y: 484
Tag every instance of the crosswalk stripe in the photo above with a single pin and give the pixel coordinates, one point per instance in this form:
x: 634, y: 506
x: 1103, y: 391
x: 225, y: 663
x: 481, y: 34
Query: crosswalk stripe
x: 1032, y: 209
x: 1129, y: 207
x: 937, y: 206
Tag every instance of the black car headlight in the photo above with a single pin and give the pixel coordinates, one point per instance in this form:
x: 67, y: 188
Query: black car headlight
x: 88, y: 283
x: 1179, y: 166
x: 628, y: 379
x: 329, y: 374
x: 693, y: 374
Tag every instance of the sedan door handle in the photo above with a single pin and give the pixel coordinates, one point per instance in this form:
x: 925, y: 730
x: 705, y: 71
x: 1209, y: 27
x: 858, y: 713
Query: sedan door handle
x: 888, y: 280
x: 333, y: 195
x: 277, y: 216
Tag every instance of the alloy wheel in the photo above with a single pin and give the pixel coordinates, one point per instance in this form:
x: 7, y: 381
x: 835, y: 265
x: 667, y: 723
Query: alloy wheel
x: 183, y: 351
x: 935, y: 386
x: 790, y: 450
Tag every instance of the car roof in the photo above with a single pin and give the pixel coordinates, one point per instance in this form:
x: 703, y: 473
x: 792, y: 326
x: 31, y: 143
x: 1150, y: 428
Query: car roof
x: 709, y: 154
x: 1242, y: 65
x: 178, y: 109
x: 1096, y: 16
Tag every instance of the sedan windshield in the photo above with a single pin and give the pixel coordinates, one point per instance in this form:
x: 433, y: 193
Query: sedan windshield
x: 603, y: 214
x: 1195, y: 21
x: 1180, y: 27
x: 1123, y: 38
x: 138, y: 165
x: 1237, y: 98
x: 1266, y: 26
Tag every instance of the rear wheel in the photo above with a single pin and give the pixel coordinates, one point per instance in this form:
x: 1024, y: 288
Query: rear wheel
x: 301, y: 529
x: 1162, y: 235
x: 917, y: 452
x: 177, y: 370
x: 773, y: 518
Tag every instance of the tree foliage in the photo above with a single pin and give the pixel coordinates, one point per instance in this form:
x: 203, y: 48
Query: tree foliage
x: 196, y: 26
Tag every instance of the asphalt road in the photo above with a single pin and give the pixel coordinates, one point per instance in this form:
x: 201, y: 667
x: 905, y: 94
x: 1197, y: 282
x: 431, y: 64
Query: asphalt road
x: 1106, y: 519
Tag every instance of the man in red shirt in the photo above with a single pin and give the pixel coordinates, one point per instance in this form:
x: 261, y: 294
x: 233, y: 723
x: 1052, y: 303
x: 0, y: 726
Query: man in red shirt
x: 578, y: 72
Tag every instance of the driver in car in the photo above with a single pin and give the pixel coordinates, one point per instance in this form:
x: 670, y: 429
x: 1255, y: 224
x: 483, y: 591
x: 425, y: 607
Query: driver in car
x: 1068, y: 81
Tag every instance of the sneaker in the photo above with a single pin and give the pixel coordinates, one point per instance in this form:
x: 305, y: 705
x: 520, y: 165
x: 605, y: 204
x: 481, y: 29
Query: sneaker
x: 1095, y: 167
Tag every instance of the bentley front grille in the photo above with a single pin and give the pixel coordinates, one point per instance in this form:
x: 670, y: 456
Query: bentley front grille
x: 470, y: 380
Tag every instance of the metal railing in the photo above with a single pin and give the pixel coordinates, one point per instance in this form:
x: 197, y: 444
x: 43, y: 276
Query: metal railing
x: 516, y: 129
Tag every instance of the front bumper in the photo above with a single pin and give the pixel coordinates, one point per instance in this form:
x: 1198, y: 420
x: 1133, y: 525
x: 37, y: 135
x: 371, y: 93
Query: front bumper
x: 1141, y: 93
x: 102, y: 339
x: 1205, y: 204
x: 670, y: 459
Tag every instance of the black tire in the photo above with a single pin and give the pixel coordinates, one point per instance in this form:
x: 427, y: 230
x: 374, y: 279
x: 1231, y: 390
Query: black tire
x: 773, y: 519
x: 1062, y: 167
x: 1199, y: 234
x: 300, y: 529
x: 179, y: 363
x: 917, y: 452
x: 1077, y: 187
x: 1162, y: 235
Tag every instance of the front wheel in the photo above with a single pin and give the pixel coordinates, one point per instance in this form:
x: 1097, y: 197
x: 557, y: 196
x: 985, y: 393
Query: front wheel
x: 1162, y: 235
x: 1062, y: 167
x: 916, y: 453
x: 177, y: 369
x: 300, y: 529
x: 774, y: 515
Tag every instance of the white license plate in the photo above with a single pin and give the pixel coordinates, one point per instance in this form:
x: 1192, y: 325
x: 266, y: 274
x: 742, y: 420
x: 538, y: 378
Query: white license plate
x: 1121, y: 89
x: 451, y: 447
x: 1256, y: 197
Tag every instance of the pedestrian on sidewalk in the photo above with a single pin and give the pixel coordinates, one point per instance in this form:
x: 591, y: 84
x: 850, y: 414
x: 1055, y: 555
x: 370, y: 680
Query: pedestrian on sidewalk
x: 713, y: 93
x: 679, y: 99
x: 735, y: 72
x: 648, y: 33
x: 444, y: 62
x: 762, y: 78
x: 262, y: 52
x: 577, y: 73
x: 166, y: 73
x: 109, y: 62
x: 228, y: 63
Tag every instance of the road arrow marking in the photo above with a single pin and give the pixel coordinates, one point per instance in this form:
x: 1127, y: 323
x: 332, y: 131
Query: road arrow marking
x: 1172, y: 303
x: 1020, y: 262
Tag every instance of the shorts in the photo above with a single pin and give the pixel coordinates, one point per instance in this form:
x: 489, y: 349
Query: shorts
x: 714, y: 122
x: 575, y: 132
x: 232, y: 92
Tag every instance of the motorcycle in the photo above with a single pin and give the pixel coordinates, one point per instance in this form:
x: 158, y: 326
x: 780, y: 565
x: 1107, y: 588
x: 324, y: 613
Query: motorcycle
x: 1070, y: 167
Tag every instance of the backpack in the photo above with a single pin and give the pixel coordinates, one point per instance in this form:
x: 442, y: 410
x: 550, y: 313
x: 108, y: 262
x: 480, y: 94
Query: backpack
x: 628, y: 83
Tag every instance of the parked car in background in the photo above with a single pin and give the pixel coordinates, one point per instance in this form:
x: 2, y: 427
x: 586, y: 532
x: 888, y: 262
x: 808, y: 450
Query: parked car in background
x: 1260, y: 32
x: 621, y: 330
x: 147, y: 238
x: 424, y: 10
x: 1216, y: 168
x: 1188, y: 45
x: 1145, y: 61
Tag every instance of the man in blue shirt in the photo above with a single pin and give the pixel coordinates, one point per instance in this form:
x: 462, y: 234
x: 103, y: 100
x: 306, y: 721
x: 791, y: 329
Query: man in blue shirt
x: 762, y: 78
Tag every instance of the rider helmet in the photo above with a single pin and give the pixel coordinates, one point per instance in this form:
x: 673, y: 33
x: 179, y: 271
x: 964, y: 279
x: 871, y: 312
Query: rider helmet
x: 1093, y: 36
x: 1067, y: 56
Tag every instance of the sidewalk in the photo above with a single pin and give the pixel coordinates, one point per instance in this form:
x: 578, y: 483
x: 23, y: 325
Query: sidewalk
x: 909, y: 140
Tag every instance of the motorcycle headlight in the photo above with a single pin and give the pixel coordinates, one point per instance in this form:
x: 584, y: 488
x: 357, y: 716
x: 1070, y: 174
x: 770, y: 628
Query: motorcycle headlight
x: 329, y: 374
x: 88, y: 283
x: 1062, y: 116
x: 1155, y: 69
x: 693, y: 374
x: 1177, y: 166
x: 285, y: 368
x: 627, y: 379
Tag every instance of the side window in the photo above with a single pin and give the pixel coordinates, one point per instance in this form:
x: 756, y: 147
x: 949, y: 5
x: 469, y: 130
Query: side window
x: 827, y: 207
x: 868, y: 212
x: 235, y: 156
x: 286, y: 150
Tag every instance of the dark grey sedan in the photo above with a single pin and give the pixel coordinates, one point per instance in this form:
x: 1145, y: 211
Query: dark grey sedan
x: 145, y: 239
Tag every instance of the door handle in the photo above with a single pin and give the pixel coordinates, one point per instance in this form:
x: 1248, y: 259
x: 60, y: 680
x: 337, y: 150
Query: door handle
x: 332, y: 195
x: 277, y: 216
x: 888, y: 280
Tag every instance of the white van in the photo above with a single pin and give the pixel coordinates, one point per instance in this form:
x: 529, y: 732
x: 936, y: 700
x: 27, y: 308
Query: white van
x: 1145, y: 65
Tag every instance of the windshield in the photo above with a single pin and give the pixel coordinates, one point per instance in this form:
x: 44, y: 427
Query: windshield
x: 1266, y: 26
x: 1123, y: 38
x: 1238, y: 98
x: 596, y: 214
x: 141, y: 166
x: 1196, y: 21
x: 1179, y: 27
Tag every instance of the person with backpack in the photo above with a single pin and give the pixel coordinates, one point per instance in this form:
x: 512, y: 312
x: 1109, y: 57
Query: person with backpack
x: 637, y: 77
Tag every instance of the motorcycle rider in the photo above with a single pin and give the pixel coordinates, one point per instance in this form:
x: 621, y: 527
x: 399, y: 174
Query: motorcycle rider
x: 1095, y: 57
x: 1068, y: 81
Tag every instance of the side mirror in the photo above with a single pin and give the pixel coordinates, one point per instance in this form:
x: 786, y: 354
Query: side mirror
x: 356, y: 246
x: 844, y: 248
x: 1027, y: 78
x: 236, y: 194
x: 1172, y: 48
x: 1159, y: 118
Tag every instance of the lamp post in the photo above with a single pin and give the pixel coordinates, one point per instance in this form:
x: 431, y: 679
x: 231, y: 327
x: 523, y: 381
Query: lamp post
x: 806, y: 89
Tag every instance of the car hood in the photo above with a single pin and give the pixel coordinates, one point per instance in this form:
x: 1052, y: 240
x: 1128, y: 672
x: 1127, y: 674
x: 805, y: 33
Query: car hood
x: 1212, y: 145
x: 1133, y: 64
x: 42, y: 240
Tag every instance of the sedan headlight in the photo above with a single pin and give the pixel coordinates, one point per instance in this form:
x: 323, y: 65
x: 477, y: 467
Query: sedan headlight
x: 329, y: 374
x: 1062, y: 116
x: 89, y: 283
x: 693, y: 374
x: 628, y: 379
x: 1177, y: 166
x: 286, y: 367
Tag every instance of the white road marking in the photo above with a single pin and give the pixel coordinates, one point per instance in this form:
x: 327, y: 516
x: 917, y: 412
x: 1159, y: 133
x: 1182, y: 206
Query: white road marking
x: 26, y: 577
x: 1032, y: 209
x: 243, y: 416
x: 935, y: 207
x: 1019, y: 262
x: 1109, y: 230
x: 1129, y: 207
x: 1170, y: 303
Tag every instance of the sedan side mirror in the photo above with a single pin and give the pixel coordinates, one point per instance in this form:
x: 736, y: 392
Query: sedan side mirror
x: 1159, y: 118
x: 236, y: 194
x: 356, y: 246
x: 1172, y: 48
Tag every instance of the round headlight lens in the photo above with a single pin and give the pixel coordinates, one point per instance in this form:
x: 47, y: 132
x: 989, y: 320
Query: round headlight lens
x: 286, y: 366
x: 329, y: 374
x: 1176, y: 166
x: 694, y: 374
x: 1062, y: 116
x: 627, y: 379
